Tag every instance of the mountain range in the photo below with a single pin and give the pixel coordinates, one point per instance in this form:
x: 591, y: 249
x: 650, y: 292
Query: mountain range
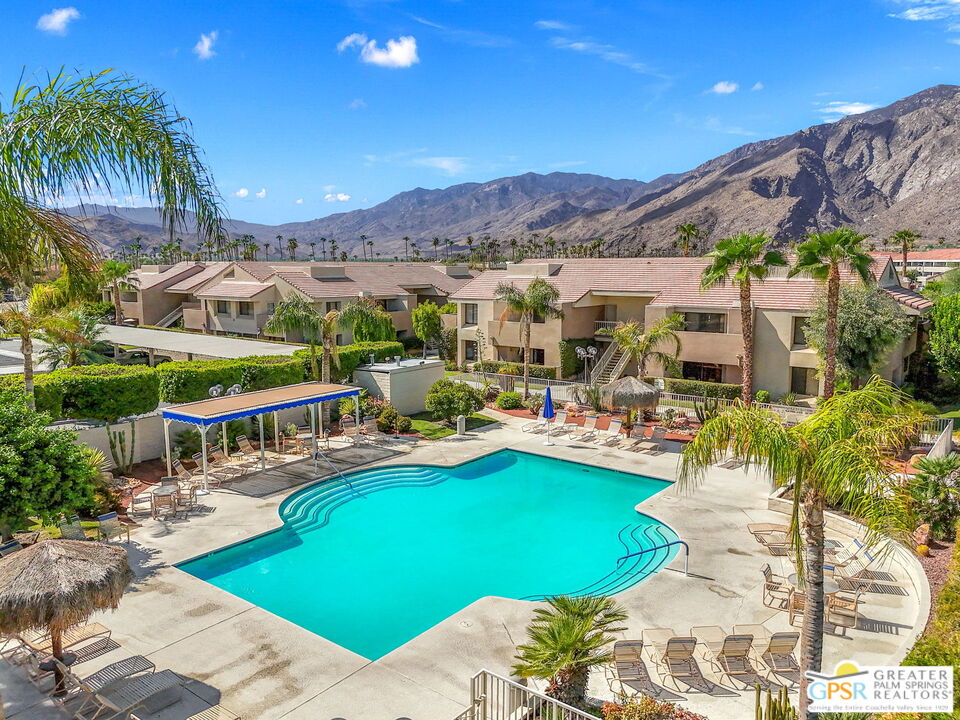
x: 884, y: 170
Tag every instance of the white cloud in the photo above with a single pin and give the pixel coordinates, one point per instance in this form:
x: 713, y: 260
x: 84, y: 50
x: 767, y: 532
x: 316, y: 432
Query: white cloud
x: 757, y: 86
x: 551, y: 25
x: 56, y: 21
x: 399, y: 53
x: 448, y: 165
x: 724, y: 87
x: 357, y: 104
x: 329, y: 188
x: 836, y: 110
x: 241, y: 193
x: 204, y: 47
x: 299, y: 201
x: 262, y: 194
x: 568, y: 163
x: 336, y: 197
x: 605, y: 52
x: 935, y: 11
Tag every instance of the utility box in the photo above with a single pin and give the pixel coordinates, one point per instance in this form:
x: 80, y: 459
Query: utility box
x: 401, y: 382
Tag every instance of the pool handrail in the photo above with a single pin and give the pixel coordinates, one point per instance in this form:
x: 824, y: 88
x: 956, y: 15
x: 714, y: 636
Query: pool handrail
x: 686, y: 557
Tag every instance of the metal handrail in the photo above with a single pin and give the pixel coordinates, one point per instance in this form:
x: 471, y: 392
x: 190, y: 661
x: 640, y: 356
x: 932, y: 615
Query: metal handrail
x: 686, y: 557
x: 319, y: 453
x: 603, y: 360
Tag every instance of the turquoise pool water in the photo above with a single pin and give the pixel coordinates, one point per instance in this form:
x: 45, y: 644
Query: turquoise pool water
x: 372, y: 564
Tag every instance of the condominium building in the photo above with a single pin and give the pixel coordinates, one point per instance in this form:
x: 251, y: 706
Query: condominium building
x: 597, y: 294
x: 237, y: 298
x: 929, y: 264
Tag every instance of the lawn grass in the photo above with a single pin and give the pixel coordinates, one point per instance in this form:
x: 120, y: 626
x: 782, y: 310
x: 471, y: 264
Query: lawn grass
x: 90, y: 527
x: 950, y: 410
x: 424, y: 424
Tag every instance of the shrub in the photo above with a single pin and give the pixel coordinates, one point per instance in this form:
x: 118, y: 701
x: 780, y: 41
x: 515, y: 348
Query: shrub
x: 509, y: 400
x: 762, y: 396
x: 47, y: 393
x: 728, y: 391
x: 356, y: 354
x: 788, y: 398
x: 107, y: 392
x: 509, y: 368
x: 392, y: 421
x: 534, y: 402
x: 260, y: 372
x: 545, y: 372
x: 403, y: 424
x: 447, y: 399
x: 645, y: 707
x: 190, y: 380
x: 570, y: 364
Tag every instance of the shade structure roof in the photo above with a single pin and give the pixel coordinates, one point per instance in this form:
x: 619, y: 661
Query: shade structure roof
x: 234, y: 407
x: 629, y: 392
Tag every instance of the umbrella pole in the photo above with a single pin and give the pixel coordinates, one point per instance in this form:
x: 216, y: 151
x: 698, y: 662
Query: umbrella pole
x: 56, y: 649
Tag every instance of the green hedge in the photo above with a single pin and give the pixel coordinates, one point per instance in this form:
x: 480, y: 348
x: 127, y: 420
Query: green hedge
x: 47, y: 394
x: 570, y: 364
x: 106, y: 392
x: 544, y: 372
x: 189, y: 380
x: 356, y: 354
x: 680, y: 386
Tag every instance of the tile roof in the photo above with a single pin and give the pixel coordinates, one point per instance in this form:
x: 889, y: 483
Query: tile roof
x: 909, y: 298
x: 237, y: 289
x: 145, y: 280
x: 209, y: 271
x: 934, y: 254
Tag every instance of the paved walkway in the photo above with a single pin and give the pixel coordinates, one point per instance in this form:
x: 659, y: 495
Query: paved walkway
x: 267, y: 668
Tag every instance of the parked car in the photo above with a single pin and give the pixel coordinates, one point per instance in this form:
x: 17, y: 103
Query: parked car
x: 138, y: 357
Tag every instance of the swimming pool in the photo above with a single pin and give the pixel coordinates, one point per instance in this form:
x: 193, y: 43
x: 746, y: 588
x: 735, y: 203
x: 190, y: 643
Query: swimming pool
x: 373, y: 562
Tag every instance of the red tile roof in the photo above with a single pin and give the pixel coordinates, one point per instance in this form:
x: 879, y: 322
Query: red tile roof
x: 209, y: 271
x: 909, y: 298
x: 237, y: 289
x: 934, y: 254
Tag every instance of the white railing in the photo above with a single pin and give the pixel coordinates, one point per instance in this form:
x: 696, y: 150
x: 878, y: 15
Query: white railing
x: 938, y: 432
x: 494, y: 697
x: 603, y: 361
x: 604, y: 325
x: 677, y: 401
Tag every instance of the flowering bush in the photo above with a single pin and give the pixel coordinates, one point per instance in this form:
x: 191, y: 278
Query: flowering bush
x: 646, y: 708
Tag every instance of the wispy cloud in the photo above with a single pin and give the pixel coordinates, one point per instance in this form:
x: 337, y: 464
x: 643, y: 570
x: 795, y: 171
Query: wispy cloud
x: 329, y: 188
x: 241, y: 193
x: 336, y: 197
x: 399, y: 53
x: 551, y: 25
x: 724, y: 87
x: 930, y: 11
x: 357, y: 104
x: 836, y: 110
x: 57, y: 21
x: 567, y: 163
x: 757, y: 86
x: 298, y: 201
x: 262, y: 194
x: 609, y: 53
x: 447, y: 165
x: 475, y: 38
x: 204, y: 47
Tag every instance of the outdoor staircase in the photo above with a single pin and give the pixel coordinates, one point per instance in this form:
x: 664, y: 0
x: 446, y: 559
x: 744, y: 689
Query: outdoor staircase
x: 170, y: 319
x: 610, y: 365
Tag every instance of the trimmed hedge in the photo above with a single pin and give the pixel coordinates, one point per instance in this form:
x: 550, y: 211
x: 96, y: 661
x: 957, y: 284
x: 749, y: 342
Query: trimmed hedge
x: 353, y: 355
x: 728, y: 391
x: 544, y: 372
x: 106, y: 392
x: 189, y: 380
x: 509, y: 400
x: 47, y: 394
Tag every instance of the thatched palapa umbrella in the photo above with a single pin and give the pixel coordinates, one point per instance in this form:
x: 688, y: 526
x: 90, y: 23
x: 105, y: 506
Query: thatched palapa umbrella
x: 57, y: 583
x: 629, y: 393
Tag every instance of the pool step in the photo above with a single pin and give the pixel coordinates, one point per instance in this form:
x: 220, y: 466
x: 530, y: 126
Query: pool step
x: 311, y: 509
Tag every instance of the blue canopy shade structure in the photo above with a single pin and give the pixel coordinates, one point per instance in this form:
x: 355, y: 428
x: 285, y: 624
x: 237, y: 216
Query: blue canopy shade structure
x: 204, y: 413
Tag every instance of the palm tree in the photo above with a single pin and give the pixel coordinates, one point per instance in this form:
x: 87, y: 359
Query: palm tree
x: 94, y: 134
x: 117, y: 275
x: 363, y: 245
x: 280, y: 246
x: 73, y: 338
x: 566, y: 640
x: 539, y: 300
x: 644, y: 344
x: 406, y: 247
x: 313, y: 250
x: 742, y: 260
x: 839, y: 457
x: 904, y: 240
x: 436, y: 245
x: 266, y: 250
x: 323, y: 248
x: 25, y: 321
x: 370, y: 246
x: 292, y: 246
x: 687, y: 233
x: 821, y: 256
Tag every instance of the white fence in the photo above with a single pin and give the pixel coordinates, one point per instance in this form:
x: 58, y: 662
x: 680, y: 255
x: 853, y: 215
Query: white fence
x: 943, y: 442
x: 493, y: 697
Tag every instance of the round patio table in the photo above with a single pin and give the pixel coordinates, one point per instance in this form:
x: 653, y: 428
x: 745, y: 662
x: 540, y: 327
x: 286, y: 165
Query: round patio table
x: 829, y: 586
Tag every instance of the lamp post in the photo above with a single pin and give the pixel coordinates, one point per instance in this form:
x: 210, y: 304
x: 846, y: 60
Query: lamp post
x: 586, y: 354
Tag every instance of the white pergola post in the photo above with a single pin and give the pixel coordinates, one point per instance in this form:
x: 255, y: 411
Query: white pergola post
x: 166, y: 445
x: 202, y: 429
x: 314, y: 410
x: 226, y: 445
x: 263, y: 443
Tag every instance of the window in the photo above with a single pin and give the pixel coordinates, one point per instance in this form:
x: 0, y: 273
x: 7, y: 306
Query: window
x: 470, y: 350
x: 469, y: 313
x: 705, y: 322
x: 222, y: 308
x: 537, y: 356
x: 706, y: 372
x: 339, y: 339
x: 245, y: 308
x: 271, y: 307
x: 333, y: 305
x: 803, y: 381
x: 800, y: 331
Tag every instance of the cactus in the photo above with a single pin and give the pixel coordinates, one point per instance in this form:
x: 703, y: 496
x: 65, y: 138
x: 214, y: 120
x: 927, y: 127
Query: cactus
x: 707, y: 409
x: 776, y: 707
x: 118, y: 447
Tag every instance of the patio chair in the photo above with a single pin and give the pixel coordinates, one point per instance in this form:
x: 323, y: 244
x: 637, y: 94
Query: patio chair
x: 856, y: 573
x: 9, y: 548
x: 654, y: 444
x: 215, y: 712
x: 373, y: 431
x: 72, y: 529
x: 758, y: 530
x: 776, y: 589
x: 40, y: 642
x: 678, y: 663
x: 222, y: 464
x: 779, y: 658
x: 250, y: 452
x: 537, y: 425
x: 141, y: 504
x: 84, y: 689
x: 588, y: 430
x: 560, y: 423
x: 185, y: 502
x: 349, y: 428
x: 796, y: 606
x: 149, y: 691
x: 611, y: 435
x: 214, y: 477
x: 843, y: 609
x: 109, y: 526
x: 630, y: 675
x: 733, y: 660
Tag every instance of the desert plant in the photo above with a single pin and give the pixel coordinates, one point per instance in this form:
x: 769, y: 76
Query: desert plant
x: 534, y: 402
x: 591, y: 395
x: 775, y: 707
x: 935, y: 491
x: 788, y: 398
x: 709, y: 408
x: 509, y: 400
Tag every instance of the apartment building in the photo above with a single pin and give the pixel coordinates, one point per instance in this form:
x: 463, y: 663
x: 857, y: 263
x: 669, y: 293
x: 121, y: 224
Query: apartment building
x: 597, y: 294
x: 237, y: 298
x: 929, y: 264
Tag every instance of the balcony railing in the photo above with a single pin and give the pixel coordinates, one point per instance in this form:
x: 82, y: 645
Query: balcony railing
x: 603, y: 327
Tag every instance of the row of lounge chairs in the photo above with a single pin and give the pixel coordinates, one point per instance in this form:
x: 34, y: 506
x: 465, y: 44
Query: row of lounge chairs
x: 588, y: 432
x: 115, y: 691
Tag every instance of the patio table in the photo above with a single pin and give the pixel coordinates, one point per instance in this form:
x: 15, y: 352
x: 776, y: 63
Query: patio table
x: 164, y: 496
x: 124, y: 696
x: 829, y: 586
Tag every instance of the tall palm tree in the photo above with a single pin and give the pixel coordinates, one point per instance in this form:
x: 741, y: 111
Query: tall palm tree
x: 839, y: 457
x: 406, y: 247
x: 904, y: 241
x: 687, y: 234
x: 94, y: 134
x: 363, y: 245
x: 644, y: 344
x: 73, y: 338
x: 280, y: 246
x: 266, y: 251
x: 742, y: 260
x: 565, y: 640
x: 117, y: 276
x: 821, y: 256
x: 39, y: 312
x: 292, y: 246
x: 539, y: 300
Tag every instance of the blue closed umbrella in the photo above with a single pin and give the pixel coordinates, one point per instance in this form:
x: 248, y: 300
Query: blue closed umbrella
x: 548, y: 413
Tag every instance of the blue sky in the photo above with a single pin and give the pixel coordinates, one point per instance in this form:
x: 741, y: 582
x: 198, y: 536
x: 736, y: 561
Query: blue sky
x: 308, y: 108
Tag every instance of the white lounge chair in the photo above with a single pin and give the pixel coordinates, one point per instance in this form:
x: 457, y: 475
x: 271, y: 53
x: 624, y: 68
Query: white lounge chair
x: 641, y: 444
x: 611, y: 435
x: 589, y: 429
x: 537, y: 425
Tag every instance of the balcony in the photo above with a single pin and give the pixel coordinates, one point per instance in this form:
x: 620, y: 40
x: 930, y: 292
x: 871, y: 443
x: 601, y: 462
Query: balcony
x: 603, y: 328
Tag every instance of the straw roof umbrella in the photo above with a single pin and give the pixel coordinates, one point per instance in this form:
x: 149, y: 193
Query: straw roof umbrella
x: 629, y: 393
x: 57, y: 583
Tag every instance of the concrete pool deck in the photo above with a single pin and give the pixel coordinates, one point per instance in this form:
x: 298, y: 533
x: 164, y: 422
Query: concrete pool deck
x: 262, y: 666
